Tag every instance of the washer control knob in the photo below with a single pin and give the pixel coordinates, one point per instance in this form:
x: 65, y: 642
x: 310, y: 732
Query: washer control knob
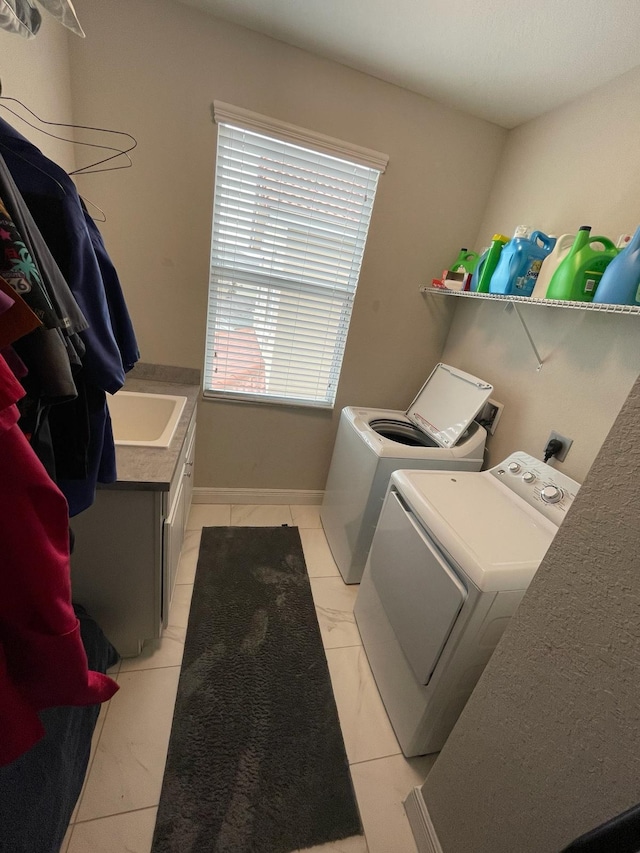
x: 551, y: 494
x: 528, y: 476
x: 514, y: 467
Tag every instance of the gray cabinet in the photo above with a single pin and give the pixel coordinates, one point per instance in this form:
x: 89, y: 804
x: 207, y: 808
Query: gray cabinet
x: 127, y: 550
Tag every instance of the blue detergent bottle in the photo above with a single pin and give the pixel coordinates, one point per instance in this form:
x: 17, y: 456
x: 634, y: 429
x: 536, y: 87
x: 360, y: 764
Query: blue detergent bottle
x: 620, y: 282
x: 520, y: 262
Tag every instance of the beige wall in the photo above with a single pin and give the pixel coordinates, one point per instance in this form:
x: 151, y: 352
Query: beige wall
x: 154, y: 68
x: 36, y: 72
x: 548, y: 746
x: 576, y: 165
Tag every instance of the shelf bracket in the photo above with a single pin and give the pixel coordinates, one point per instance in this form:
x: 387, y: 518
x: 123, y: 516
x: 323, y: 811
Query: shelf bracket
x: 511, y: 306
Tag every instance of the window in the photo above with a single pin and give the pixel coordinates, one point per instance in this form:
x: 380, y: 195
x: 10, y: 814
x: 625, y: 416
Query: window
x: 290, y: 221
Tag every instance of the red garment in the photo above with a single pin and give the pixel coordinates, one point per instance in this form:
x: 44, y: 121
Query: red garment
x: 42, y: 660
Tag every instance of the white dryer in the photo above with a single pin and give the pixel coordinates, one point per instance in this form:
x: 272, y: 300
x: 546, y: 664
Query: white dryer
x: 437, y: 431
x: 451, y: 559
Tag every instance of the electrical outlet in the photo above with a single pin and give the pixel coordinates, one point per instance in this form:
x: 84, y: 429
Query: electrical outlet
x: 566, y: 444
x: 489, y: 415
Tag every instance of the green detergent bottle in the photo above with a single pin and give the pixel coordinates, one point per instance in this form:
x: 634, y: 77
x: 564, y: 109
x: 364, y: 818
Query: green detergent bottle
x: 579, y: 272
x: 465, y: 262
x: 490, y: 262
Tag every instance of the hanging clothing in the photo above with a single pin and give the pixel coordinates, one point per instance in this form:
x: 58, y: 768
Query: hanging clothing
x: 20, y: 17
x: 118, y: 312
x: 42, y: 659
x: 32, y: 247
x: 16, y: 319
x: 50, y: 355
x: 38, y: 791
x: 19, y: 269
x: 109, y: 340
x: 64, y: 12
x: 6, y: 303
x: 23, y: 18
x: 53, y: 351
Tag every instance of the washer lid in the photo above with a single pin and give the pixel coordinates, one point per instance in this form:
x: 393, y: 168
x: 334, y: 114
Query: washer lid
x: 447, y: 403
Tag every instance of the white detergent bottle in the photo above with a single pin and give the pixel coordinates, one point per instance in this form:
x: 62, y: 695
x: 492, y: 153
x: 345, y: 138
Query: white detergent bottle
x: 550, y: 264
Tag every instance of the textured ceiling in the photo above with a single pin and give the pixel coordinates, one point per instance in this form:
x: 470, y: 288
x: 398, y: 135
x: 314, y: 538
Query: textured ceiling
x: 506, y: 61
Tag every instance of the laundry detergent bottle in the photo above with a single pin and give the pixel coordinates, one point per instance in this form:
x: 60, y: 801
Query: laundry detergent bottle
x: 465, y: 262
x: 620, y: 282
x: 550, y: 264
x: 489, y: 262
x: 520, y: 262
x: 578, y: 274
x: 475, y: 278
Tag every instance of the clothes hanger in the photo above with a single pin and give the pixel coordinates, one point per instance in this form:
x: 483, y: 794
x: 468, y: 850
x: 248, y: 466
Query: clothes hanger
x: 33, y: 166
x: 57, y: 182
x: 83, y: 170
x: 93, y: 204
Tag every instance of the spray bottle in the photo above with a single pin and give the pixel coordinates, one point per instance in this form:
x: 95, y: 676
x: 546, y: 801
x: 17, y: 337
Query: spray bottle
x: 490, y: 262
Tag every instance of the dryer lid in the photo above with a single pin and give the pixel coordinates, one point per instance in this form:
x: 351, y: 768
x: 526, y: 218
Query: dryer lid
x: 447, y: 403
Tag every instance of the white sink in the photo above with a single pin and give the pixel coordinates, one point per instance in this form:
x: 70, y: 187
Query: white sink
x: 146, y: 420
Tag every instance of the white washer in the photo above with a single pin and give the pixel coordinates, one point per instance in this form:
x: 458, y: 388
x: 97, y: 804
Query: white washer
x: 452, y: 557
x: 437, y: 431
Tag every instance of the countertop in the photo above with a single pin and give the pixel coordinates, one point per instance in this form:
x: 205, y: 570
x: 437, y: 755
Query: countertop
x: 151, y: 468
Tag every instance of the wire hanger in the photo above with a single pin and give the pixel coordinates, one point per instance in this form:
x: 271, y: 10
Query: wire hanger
x: 93, y: 204
x: 91, y: 167
x: 34, y: 166
x: 57, y: 182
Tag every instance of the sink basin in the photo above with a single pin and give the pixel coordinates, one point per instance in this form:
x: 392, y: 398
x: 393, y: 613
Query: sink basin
x: 146, y: 420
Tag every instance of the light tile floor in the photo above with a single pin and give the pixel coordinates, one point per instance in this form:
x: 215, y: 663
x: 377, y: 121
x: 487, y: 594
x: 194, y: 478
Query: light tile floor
x: 117, y: 808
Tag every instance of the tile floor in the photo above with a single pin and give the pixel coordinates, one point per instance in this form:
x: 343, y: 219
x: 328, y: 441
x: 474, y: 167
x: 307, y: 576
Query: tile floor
x: 116, y: 810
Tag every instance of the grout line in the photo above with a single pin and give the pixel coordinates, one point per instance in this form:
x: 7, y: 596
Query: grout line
x: 348, y: 646
x: 117, y: 814
x: 92, y: 758
x: 86, y: 780
x: 68, y: 837
x: 151, y: 668
x: 379, y: 758
x: 376, y: 758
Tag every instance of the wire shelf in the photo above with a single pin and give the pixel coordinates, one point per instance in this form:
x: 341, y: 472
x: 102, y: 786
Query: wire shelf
x: 527, y: 300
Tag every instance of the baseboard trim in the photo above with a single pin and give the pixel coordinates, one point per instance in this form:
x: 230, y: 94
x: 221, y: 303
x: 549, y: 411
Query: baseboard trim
x: 420, y: 822
x: 257, y: 496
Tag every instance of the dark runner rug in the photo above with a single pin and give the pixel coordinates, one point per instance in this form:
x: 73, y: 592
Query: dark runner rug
x: 256, y: 760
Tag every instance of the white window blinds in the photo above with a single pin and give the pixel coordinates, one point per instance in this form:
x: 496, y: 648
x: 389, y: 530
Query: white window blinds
x: 289, y: 230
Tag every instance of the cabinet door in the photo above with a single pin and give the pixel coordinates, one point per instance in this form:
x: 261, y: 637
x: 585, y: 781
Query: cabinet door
x: 115, y: 567
x: 173, y: 537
